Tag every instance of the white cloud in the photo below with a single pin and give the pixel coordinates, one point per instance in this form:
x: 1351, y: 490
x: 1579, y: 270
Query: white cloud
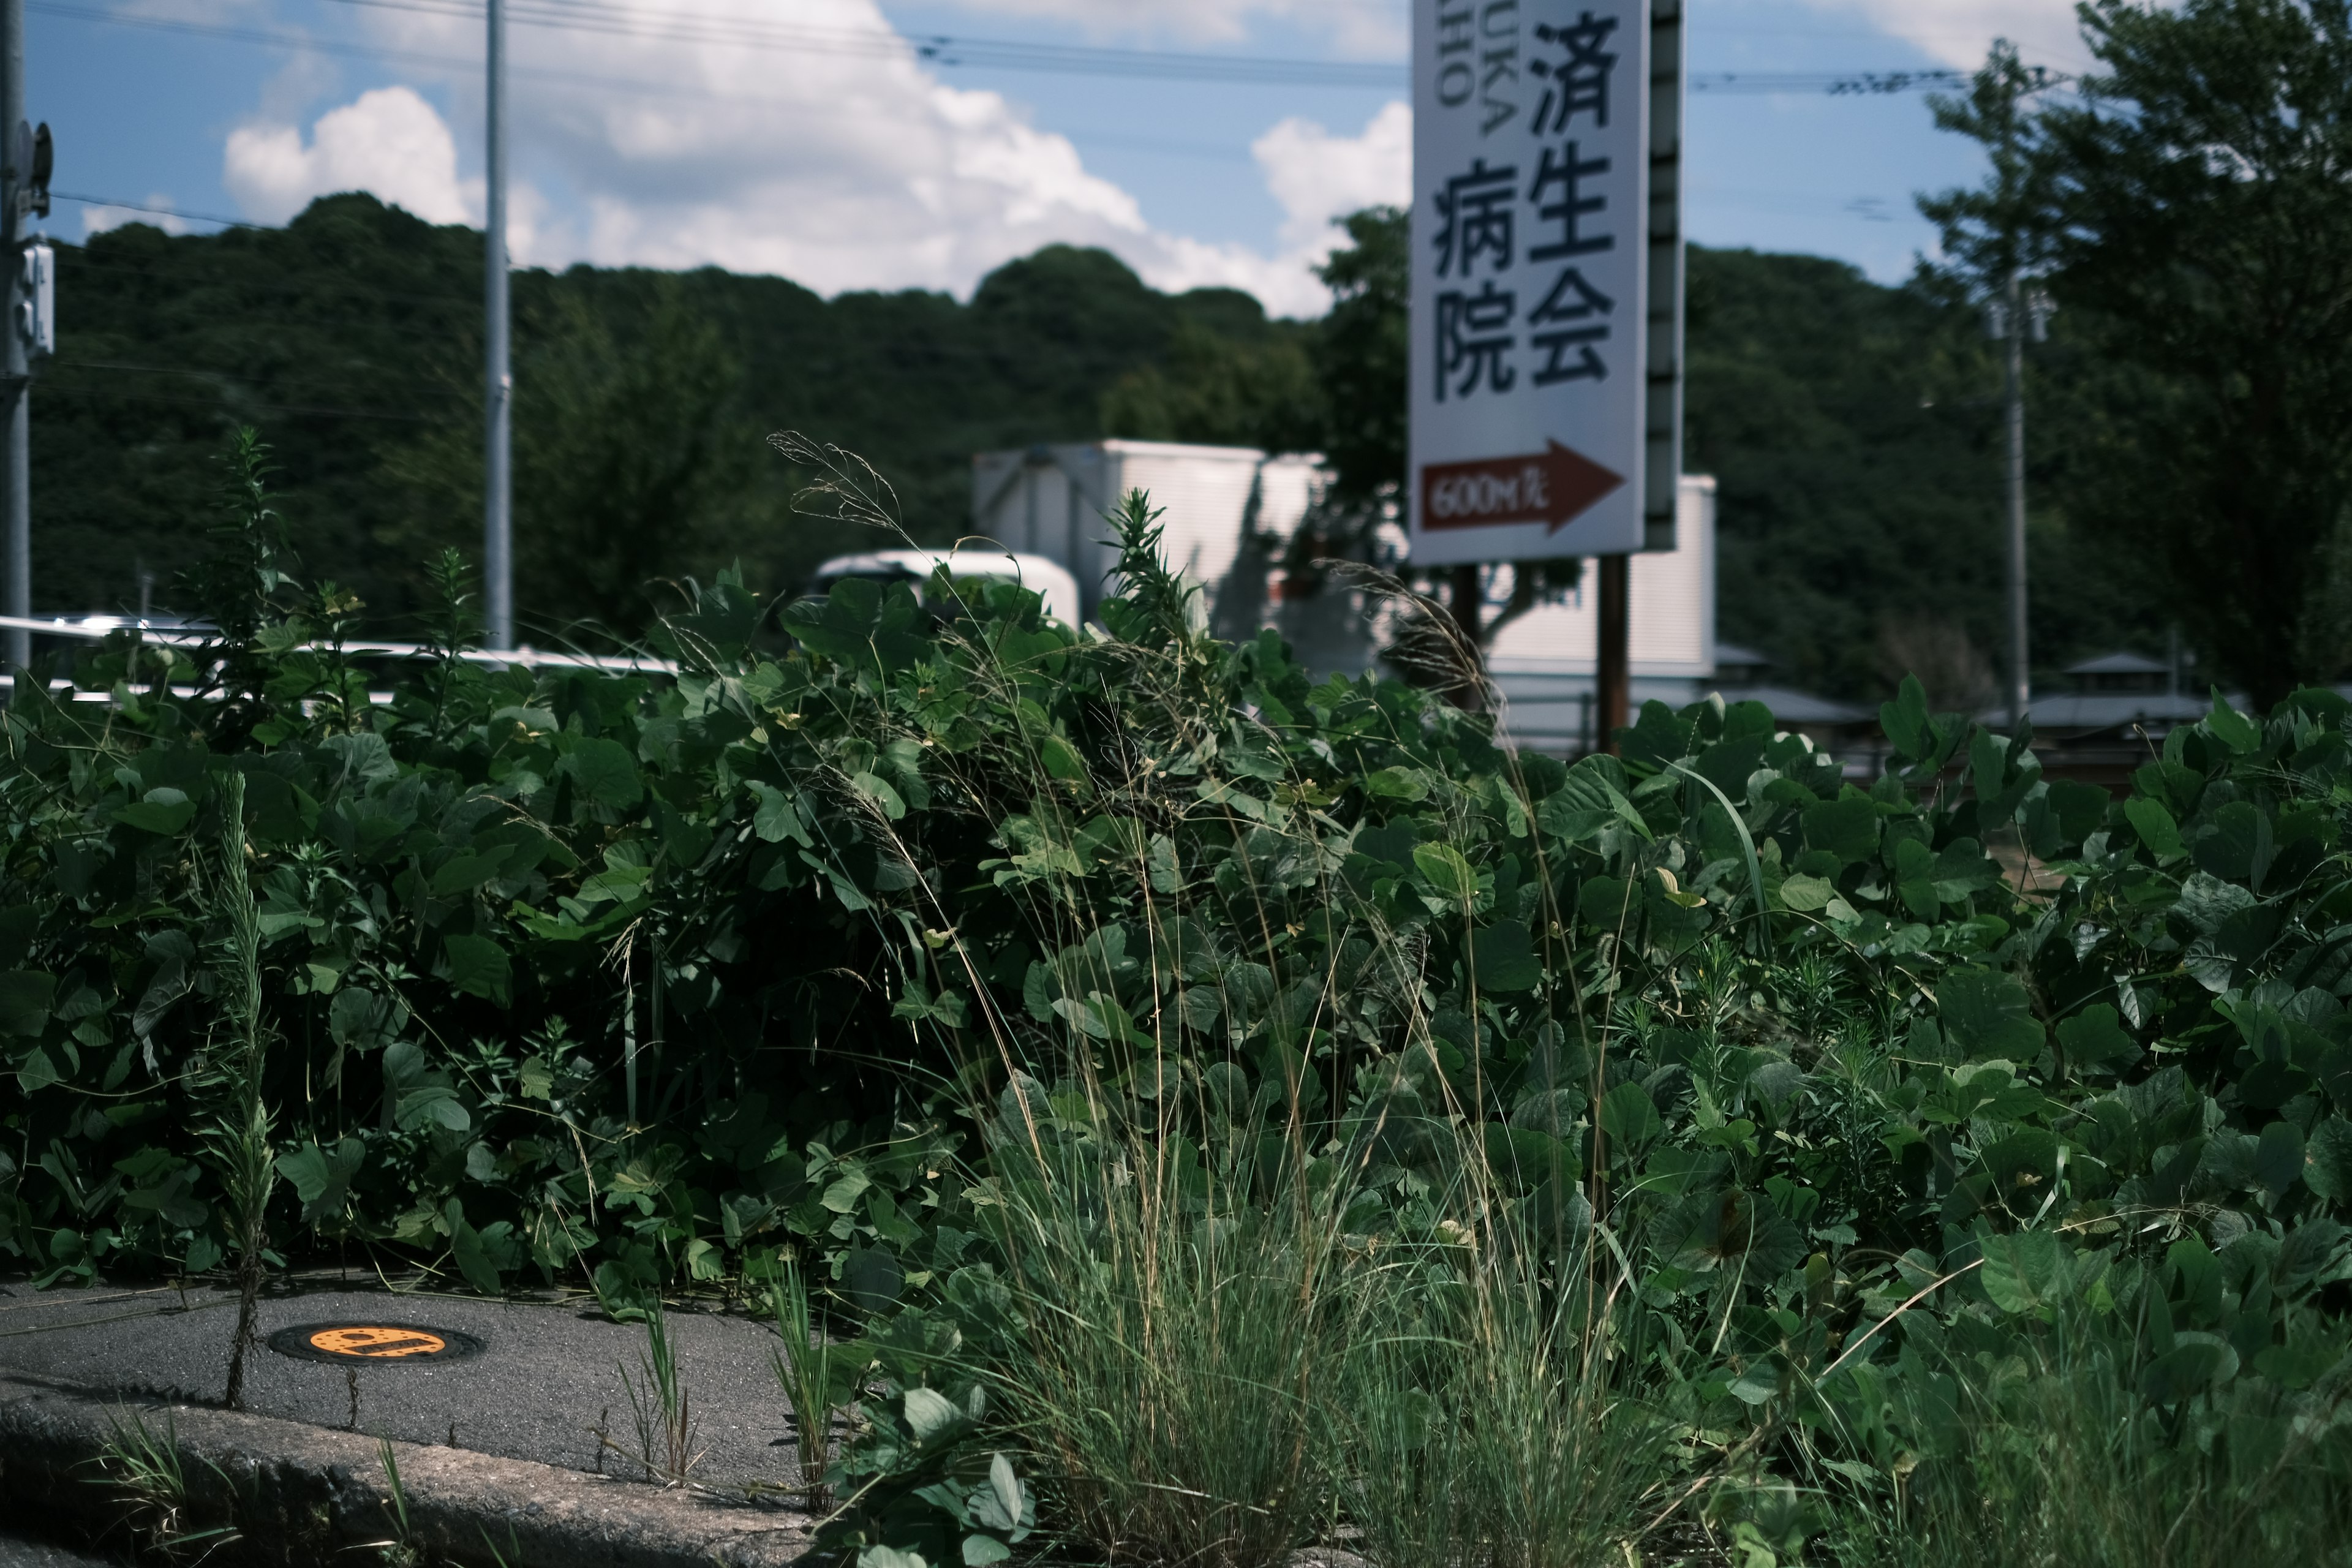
x: 97, y: 220
x: 839, y: 170
x: 1317, y: 177
x: 389, y: 141
x: 1958, y: 32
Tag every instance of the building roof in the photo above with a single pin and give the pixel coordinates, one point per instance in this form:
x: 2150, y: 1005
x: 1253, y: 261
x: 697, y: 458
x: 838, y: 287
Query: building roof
x: 2119, y: 664
x: 2090, y: 710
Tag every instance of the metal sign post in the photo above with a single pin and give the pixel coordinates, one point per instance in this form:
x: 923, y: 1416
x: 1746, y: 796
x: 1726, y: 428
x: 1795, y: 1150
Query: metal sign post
x: 15, y: 380
x: 1546, y: 288
x: 498, y: 381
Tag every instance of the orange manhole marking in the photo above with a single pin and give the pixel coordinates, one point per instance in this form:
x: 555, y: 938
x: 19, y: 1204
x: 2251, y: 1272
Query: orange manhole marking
x: 377, y: 1343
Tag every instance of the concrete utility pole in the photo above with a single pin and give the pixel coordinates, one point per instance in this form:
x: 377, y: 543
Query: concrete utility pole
x: 2013, y: 324
x: 16, y: 400
x: 497, y: 381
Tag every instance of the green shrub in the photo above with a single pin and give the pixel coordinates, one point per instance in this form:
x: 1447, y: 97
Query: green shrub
x: 990, y: 970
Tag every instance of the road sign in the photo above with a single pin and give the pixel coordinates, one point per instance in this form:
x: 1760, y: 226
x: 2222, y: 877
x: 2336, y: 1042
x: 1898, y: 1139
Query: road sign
x: 1536, y: 257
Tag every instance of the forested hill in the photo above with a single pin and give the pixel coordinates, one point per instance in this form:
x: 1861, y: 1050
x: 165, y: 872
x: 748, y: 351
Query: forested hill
x: 1851, y: 426
x: 352, y: 339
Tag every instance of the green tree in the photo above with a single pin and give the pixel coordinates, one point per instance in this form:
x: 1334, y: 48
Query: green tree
x: 628, y: 458
x: 2195, y: 198
x: 1360, y: 357
x: 1223, y: 391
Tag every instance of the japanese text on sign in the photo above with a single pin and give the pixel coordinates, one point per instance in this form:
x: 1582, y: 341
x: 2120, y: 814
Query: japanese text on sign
x: 1528, y: 253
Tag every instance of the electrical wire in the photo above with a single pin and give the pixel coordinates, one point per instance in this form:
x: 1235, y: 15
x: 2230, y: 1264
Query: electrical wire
x: 938, y: 49
x: 143, y: 207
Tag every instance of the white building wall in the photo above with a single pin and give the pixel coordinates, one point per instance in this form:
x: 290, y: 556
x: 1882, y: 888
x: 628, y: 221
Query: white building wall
x: 1050, y: 499
x: 1671, y: 613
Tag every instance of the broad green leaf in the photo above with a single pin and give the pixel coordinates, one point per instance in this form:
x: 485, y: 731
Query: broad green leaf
x: 1846, y: 827
x: 1589, y: 802
x: 463, y: 873
x: 322, y: 1177
x: 2196, y: 1361
x: 604, y: 773
x: 2023, y: 1271
x: 1629, y: 1117
x: 1659, y: 736
x: 159, y: 811
x: 872, y: 1278
x: 473, y: 1258
x: 2240, y: 844
x: 2299, y: 1366
x: 1504, y: 958
x: 1806, y: 894
x: 1448, y: 874
x: 2328, y: 1160
x: 435, y: 1105
x: 1005, y: 1487
x: 861, y: 622
x: 2096, y: 1037
x: 2278, y: 1158
x: 777, y: 816
x: 25, y: 998
x: 931, y: 1414
x: 841, y: 1195
x: 1396, y: 784
x: 478, y: 966
x: 2155, y: 826
x: 1905, y: 719
x: 876, y: 793
x: 2232, y: 728
x: 1061, y: 758
x: 1988, y: 1013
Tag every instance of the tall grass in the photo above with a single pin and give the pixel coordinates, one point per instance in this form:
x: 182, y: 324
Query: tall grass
x: 2058, y: 1459
x: 1492, y: 1421
x: 1218, y: 1340
x: 817, y: 1376
x: 1168, y: 1355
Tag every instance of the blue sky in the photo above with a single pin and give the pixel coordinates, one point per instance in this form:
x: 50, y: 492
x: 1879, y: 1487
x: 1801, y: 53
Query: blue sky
x: 862, y: 166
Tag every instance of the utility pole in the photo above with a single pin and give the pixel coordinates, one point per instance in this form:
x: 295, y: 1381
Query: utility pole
x: 2019, y: 672
x: 1613, y: 674
x: 16, y: 399
x: 498, y: 381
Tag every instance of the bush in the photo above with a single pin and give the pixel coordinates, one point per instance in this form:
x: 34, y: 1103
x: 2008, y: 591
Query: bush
x: 1673, y: 1121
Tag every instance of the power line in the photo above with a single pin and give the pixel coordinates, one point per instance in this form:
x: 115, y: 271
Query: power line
x: 143, y: 207
x: 935, y: 48
x: 938, y: 49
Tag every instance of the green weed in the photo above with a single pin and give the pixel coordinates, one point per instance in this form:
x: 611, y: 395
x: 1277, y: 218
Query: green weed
x: 817, y: 1376
x: 661, y: 1408
x: 148, y: 1472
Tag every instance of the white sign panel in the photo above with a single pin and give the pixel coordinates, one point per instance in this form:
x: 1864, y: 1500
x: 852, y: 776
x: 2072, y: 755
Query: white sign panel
x: 1530, y: 278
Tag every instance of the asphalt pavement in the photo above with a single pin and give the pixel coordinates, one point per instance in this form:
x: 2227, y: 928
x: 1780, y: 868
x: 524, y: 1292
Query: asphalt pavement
x: 547, y: 1376
x: 20, y: 1551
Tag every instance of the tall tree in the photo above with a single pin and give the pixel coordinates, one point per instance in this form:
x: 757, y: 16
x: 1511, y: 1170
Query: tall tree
x: 2195, y: 198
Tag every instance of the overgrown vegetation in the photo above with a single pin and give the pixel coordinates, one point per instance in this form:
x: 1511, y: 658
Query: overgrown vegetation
x: 1214, y: 1108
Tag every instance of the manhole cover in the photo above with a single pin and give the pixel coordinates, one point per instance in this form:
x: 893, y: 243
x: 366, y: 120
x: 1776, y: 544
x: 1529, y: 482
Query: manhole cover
x: 372, y: 1341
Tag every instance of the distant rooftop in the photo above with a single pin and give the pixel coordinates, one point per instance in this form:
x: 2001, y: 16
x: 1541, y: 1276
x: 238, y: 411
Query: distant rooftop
x: 2119, y: 664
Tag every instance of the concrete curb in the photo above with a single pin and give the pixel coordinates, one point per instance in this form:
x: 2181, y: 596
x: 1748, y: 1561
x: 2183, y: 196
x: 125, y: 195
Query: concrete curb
x: 304, y: 1495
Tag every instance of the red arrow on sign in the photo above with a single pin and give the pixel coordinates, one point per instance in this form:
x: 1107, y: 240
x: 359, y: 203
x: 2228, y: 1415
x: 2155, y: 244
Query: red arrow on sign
x: 1553, y: 486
